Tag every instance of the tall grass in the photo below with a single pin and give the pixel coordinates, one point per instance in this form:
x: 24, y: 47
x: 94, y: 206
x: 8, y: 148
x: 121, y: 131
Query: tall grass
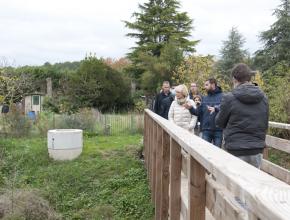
x: 107, y: 181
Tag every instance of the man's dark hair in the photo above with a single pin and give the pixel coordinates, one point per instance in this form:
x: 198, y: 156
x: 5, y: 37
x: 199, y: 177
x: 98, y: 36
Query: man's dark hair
x: 212, y: 81
x: 242, y: 73
x: 166, y: 82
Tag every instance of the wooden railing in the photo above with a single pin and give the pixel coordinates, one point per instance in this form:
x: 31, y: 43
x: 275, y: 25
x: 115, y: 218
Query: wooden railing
x: 278, y: 144
x: 190, y: 178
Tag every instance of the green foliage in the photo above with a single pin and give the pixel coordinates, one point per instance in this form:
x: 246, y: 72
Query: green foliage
x: 89, y: 83
x: 276, y: 40
x: 162, y: 34
x: 84, y: 119
x: 63, y: 67
x: 139, y: 101
x: 106, y: 182
x: 198, y: 69
x: 15, y: 123
x: 276, y: 86
x: 97, y: 85
x: 45, y: 121
x: 60, y: 104
x: 160, y: 68
x: 37, y: 75
x: 274, y: 62
x: 194, y: 69
x: 12, y: 88
x: 232, y: 53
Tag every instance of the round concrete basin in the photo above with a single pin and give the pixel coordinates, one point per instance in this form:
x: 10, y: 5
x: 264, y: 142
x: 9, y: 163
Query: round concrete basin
x: 64, y: 144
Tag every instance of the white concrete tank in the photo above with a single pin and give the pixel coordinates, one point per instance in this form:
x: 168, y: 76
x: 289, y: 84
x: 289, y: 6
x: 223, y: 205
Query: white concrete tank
x: 64, y: 144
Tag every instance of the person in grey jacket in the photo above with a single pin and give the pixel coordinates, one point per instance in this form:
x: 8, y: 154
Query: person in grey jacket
x: 243, y: 115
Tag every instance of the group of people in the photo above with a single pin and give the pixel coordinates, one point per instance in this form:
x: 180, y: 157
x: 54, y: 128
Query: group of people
x: 239, y: 117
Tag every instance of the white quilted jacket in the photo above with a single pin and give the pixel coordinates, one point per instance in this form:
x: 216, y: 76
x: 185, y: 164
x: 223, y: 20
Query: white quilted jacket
x: 181, y: 116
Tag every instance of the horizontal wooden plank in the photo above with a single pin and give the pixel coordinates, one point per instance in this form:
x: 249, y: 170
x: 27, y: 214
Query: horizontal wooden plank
x: 276, y: 171
x: 266, y: 196
x: 279, y: 125
x: 221, y: 203
x: 278, y: 143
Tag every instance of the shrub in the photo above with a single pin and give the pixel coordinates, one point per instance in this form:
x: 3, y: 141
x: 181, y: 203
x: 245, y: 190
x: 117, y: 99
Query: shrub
x: 139, y: 101
x: 44, y: 122
x: 84, y: 119
x: 25, y: 205
x: 16, y: 124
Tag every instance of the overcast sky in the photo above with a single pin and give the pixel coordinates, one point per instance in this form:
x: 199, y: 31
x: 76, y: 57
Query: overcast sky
x: 37, y: 31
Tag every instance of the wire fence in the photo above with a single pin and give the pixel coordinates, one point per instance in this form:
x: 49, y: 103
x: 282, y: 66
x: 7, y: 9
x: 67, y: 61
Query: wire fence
x: 91, y: 121
x: 113, y: 124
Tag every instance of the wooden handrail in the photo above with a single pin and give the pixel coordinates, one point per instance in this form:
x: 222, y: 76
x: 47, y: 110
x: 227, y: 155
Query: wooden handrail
x: 273, y: 124
x: 278, y: 144
x: 249, y: 193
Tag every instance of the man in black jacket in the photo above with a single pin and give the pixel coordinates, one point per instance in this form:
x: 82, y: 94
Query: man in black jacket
x: 244, y: 116
x: 165, y: 105
x: 158, y: 109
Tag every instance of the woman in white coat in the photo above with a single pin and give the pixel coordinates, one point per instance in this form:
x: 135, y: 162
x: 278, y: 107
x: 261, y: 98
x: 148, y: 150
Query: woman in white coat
x: 179, y: 114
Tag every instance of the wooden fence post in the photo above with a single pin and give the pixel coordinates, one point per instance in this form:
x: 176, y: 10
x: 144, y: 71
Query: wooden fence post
x: 153, y: 174
x: 165, y: 175
x: 266, y: 153
x: 175, y: 180
x: 158, y: 186
x: 150, y: 121
x: 145, y: 140
x: 196, y: 187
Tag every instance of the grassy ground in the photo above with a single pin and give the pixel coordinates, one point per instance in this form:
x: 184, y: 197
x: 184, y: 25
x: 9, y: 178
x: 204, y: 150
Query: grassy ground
x: 107, y: 181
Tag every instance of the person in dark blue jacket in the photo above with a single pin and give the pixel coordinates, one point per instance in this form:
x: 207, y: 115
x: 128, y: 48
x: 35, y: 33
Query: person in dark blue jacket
x: 207, y: 112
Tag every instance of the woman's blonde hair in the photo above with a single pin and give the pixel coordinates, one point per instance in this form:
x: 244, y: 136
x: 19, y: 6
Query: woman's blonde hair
x: 183, y: 89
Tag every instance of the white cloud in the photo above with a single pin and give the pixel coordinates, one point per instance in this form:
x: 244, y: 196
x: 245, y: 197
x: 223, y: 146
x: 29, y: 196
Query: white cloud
x: 36, y: 31
x: 214, y: 19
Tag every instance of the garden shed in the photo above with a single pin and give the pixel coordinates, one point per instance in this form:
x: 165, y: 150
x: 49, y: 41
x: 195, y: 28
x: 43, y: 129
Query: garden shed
x: 33, y: 103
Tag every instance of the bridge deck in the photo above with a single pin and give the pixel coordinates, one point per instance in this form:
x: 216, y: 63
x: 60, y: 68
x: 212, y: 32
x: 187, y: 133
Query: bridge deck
x: 206, y: 180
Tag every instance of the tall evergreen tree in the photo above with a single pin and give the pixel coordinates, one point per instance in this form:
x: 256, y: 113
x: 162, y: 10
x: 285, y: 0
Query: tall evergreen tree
x: 158, y: 69
x: 232, y: 52
x: 158, y: 27
x: 276, y: 40
x: 157, y: 23
x: 274, y: 62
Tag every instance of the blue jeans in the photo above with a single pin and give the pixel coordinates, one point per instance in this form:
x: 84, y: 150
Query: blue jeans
x: 214, y: 137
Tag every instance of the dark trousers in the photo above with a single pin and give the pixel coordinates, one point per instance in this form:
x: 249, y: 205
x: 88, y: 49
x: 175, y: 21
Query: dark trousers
x: 214, y: 137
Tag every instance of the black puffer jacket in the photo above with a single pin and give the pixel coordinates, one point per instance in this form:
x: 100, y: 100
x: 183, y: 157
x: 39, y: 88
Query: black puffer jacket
x: 244, y: 114
x: 158, y: 109
x: 165, y: 106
